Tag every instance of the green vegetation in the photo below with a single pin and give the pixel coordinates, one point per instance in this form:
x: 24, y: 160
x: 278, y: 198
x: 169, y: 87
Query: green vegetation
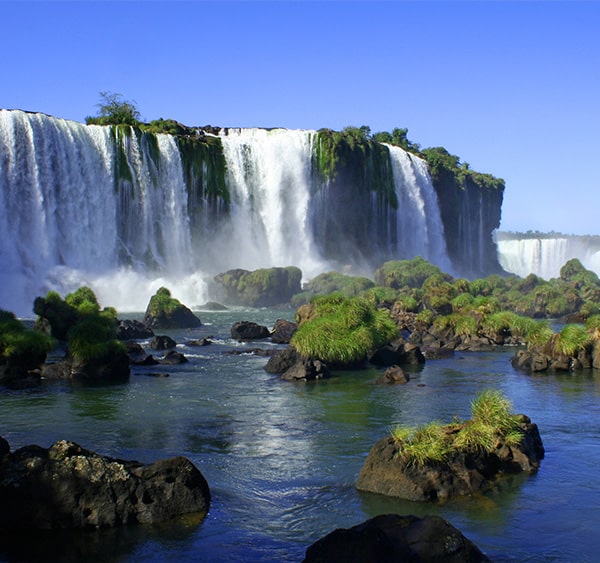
x: 571, y: 339
x: 343, y: 330
x: 331, y: 282
x: 398, y: 274
x: 90, y: 333
x: 18, y: 344
x: 162, y: 303
x: 432, y: 443
x: 351, y: 154
x: 114, y: 110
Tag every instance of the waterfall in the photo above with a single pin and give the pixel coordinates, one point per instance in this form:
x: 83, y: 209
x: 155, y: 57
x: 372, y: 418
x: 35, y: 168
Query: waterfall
x: 269, y: 175
x: 420, y: 231
x: 125, y: 211
x: 85, y: 205
x: 544, y: 257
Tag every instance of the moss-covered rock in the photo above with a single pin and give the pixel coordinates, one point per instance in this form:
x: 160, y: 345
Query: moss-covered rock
x: 164, y: 311
x: 260, y: 288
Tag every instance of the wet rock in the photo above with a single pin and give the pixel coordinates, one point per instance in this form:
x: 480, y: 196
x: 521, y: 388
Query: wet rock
x: 133, y: 330
x: 67, y: 486
x: 393, y: 375
x: 283, y: 331
x: 247, y: 330
x: 162, y: 342
x: 391, y: 538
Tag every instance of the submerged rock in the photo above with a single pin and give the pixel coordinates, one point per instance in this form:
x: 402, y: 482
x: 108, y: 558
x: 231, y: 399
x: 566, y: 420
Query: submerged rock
x: 390, y: 538
x: 67, y: 486
x: 393, y: 375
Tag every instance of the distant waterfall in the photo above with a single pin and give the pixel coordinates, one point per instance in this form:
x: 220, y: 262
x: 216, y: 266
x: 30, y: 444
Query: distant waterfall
x: 419, y: 225
x: 544, y: 257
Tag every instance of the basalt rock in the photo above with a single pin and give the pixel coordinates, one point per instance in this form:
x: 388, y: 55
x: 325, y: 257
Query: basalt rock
x: 247, y: 330
x: 282, y: 361
x: 306, y: 369
x: 283, y: 331
x: 393, y: 375
x: 112, y: 369
x: 67, y: 486
x: 162, y: 342
x: 391, y: 538
x: 398, y: 352
x: 133, y: 330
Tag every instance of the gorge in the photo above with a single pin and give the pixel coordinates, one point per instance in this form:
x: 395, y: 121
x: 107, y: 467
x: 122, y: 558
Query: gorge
x: 125, y: 211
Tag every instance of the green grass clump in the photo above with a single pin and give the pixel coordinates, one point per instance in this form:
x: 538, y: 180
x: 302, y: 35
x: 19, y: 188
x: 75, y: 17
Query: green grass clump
x: 571, y: 339
x: 343, y: 330
x: 491, y: 421
x: 424, y: 444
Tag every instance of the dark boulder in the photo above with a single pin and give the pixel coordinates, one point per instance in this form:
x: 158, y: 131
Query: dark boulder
x: 66, y: 486
x: 247, y: 330
x: 282, y: 361
x: 398, y: 352
x: 133, y: 330
x: 306, y: 369
x: 110, y: 369
x: 200, y: 342
x: 393, y: 375
x: 162, y: 342
x: 172, y: 358
x: 391, y: 538
x: 283, y: 331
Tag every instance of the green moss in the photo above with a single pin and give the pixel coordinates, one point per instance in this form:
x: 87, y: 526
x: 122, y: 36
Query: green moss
x: 329, y: 282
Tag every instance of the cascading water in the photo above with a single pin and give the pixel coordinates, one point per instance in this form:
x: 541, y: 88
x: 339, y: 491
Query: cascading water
x: 544, y: 257
x: 419, y: 225
x: 81, y: 206
x: 269, y: 176
x: 125, y: 212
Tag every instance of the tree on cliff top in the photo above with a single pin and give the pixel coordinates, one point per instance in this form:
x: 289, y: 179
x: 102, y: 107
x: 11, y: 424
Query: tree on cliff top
x: 114, y: 110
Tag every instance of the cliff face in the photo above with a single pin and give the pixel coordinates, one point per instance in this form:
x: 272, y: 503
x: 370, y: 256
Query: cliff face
x: 470, y: 206
x: 377, y: 209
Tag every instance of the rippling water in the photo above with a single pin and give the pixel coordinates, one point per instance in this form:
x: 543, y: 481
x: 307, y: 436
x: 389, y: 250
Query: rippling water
x: 281, y: 458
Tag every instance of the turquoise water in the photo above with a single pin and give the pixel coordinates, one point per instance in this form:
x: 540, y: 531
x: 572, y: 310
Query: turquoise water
x: 281, y: 458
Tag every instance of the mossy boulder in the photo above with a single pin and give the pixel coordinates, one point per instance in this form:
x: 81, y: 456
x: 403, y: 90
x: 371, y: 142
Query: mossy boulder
x: 164, y: 311
x: 260, y: 288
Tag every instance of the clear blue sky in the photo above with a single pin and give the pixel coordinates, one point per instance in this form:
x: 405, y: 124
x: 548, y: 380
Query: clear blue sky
x: 511, y: 87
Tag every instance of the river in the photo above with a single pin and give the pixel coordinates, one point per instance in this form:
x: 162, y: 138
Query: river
x: 282, y: 458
